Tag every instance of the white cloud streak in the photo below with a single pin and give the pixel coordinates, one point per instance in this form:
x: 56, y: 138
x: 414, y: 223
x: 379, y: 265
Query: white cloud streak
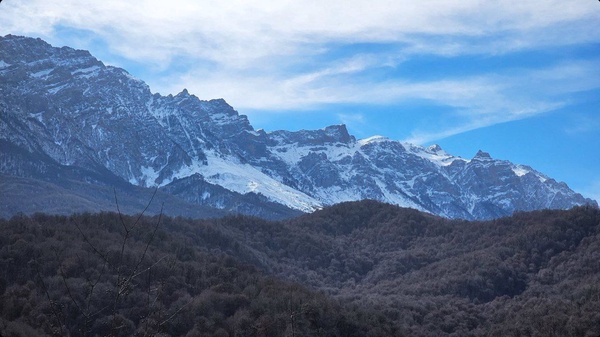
x: 493, y: 99
x: 240, y: 32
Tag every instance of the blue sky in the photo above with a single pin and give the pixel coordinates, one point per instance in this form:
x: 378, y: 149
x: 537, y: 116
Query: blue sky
x: 520, y: 80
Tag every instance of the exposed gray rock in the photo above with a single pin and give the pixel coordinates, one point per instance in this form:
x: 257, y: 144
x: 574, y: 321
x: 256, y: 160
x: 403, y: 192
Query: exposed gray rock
x: 63, y: 110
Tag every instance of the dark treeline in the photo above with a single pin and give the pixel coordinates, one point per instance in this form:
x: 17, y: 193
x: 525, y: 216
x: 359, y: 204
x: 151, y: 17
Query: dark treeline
x: 360, y: 268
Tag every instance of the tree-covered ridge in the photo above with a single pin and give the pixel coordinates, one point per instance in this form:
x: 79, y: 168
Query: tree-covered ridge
x: 55, y: 281
x: 521, y: 274
x: 374, y: 269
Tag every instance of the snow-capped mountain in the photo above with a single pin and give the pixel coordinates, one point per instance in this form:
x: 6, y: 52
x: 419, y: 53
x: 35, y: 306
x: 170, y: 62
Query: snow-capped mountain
x: 63, y: 109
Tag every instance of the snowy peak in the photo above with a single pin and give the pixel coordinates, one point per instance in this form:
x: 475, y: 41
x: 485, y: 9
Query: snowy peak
x: 39, y: 60
x: 434, y: 154
x: 215, y: 113
x: 482, y: 156
x: 19, y: 49
x: 373, y: 140
x: 338, y: 134
x: 183, y: 94
x: 435, y: 148
x: 330, y: 135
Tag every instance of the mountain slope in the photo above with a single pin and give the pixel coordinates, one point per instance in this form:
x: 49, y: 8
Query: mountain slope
x: 64, y: 106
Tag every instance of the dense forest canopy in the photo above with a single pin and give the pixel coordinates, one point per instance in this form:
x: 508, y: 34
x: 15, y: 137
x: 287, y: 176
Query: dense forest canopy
x: 354, y: 269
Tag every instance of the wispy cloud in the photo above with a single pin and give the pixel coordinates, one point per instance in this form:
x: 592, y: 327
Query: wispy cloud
x: 239, y: 33
x: 493, y: 99
x: 355, y: 118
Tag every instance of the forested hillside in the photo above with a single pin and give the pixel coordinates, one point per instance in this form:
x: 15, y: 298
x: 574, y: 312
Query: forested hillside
x: 360, y: 268
x: 85, y: 276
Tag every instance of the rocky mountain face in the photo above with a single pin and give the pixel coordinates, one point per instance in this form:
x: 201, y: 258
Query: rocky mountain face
x: 65, y: 117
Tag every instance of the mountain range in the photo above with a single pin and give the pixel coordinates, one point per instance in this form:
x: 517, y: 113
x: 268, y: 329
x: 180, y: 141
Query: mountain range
x: 78, y: 135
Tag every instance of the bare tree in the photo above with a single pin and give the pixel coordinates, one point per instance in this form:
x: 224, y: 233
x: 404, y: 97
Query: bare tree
x: 125, y: 276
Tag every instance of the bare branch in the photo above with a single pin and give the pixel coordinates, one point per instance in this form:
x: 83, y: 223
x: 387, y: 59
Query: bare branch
x: 146, y: 208
x: 166, y: 320
x: 135, y: 269
x: 123, y: 283
x: 119, y: 211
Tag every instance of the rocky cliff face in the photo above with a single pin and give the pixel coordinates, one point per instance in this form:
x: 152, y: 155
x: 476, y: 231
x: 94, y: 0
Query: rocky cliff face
x: 63, y: 109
